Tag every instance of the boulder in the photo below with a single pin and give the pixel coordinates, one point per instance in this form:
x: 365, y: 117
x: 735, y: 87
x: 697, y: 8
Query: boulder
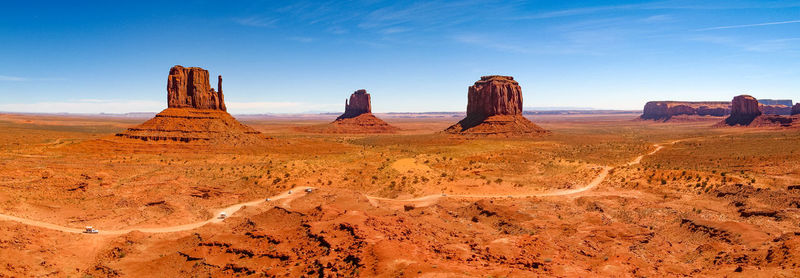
x: 190, y: 88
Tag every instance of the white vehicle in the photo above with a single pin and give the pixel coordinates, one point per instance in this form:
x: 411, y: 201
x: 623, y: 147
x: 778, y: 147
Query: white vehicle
x: 290, y: 192
x: 268, y: 200
x: 90, y: 230
x: 308, y: 190
x: 223, y: 215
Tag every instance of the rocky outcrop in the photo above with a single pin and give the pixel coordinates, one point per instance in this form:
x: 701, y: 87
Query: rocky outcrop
x: 494, y: 108
x: 494, y: 95
x: 190, y: 88
x: 744, y: 109
x: 664, y: 110
x: 195, y: 114
x: 360, y: 103
x: 796, y: 109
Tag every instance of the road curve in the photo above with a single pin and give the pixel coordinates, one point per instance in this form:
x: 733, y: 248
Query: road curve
x: 299, y: 192
x: 286, y: 196
x: 429, y: 199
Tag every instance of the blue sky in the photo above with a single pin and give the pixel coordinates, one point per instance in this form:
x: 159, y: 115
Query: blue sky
x: 287, y: 57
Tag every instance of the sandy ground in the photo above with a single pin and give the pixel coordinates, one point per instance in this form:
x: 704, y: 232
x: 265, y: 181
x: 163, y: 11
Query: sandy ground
x: 605, y: 195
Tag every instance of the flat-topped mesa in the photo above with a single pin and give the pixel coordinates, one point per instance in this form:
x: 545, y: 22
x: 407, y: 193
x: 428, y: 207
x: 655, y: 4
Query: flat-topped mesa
x: 494, y: 108
x: 744, y: 109
x: 494, y: 95
x: 190, y: 88
x: 664, y: 110
x: 360, y: 103
x: 796, y: 109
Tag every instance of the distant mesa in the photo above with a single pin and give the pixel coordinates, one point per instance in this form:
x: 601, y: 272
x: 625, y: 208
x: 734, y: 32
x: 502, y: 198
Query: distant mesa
x: 494, y: 108
x: 782, y: 102
x: 796, y: 109
x: 196, y: 113
x: 746, y: 111
x: 665, y: 110
x: 357, y: 118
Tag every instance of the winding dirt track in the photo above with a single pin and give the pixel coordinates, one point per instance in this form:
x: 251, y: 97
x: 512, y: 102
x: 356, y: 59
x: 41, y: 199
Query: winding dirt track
x: 429, y: 199
x: 287, y: 197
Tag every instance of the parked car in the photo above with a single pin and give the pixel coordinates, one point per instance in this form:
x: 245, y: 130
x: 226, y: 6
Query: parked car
x: 90, y: 230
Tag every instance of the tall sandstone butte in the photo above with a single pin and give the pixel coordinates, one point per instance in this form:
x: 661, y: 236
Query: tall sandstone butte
x: 190, y: 88
x: 359, y: 103
x: 357, y: 118
x: 494, y: 95
x: 195, y: 113
x: 744, y: 109
x: 796, y: 109
x: 494, y: 107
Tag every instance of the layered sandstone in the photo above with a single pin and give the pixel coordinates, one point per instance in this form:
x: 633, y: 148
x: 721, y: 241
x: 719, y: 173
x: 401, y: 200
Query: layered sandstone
x: 796, y: 109
x: 665, y: 110
x: 190, y: 88
x: 196, y: 113
x: 357, y: 118
x: 494, y: 108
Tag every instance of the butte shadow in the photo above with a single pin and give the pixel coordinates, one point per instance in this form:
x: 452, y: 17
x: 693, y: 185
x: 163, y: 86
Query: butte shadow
x: 196, y: 114
x: 357, y: 118
x: 494, y: 108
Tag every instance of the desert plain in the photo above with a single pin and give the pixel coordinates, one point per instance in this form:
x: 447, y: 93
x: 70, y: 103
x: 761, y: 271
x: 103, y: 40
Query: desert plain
x: 599, y: 195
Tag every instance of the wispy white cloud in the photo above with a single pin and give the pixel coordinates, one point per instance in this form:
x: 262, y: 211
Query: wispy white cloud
x: 88, y: 106
x: 749, y: 25
x: 256, y: 21
x: 12, y: 78
x: 18, y: 78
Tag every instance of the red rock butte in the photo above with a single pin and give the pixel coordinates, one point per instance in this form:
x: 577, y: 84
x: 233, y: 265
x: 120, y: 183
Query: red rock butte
x: 494, y: 108
x: 746, y: 111
x: 196, y: 113
x: 357, y: 118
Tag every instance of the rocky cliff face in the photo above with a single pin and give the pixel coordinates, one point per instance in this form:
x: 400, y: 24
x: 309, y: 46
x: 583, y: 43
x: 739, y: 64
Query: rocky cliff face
x: 190, y: 88
x: 664, y: 110
x: 494, y: 95
x: 744, y: 109
x: 775, y: 109
x: 796, y: 109
x: 359, y: 103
